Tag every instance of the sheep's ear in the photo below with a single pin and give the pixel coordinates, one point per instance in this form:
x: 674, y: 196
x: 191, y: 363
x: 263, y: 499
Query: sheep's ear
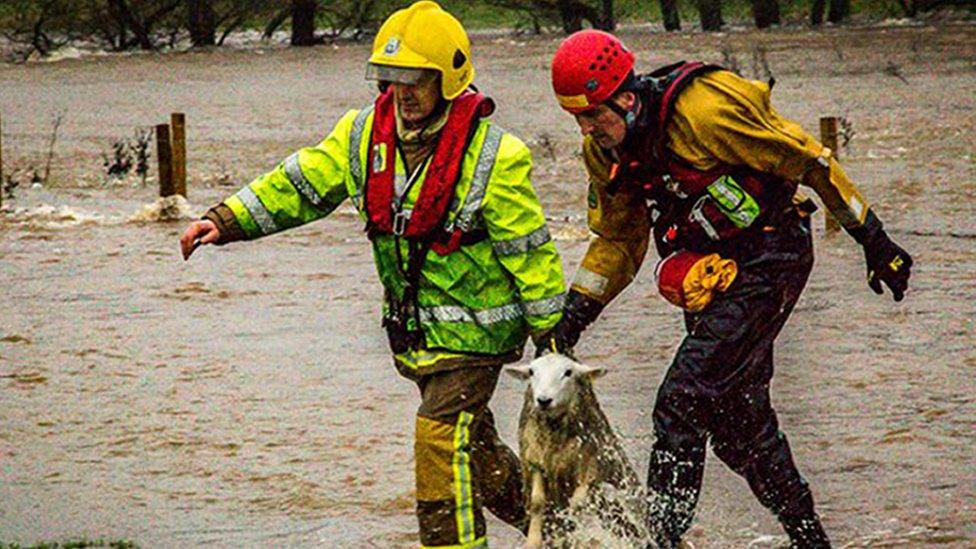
x: 590, y: 372
x: 519, y: 372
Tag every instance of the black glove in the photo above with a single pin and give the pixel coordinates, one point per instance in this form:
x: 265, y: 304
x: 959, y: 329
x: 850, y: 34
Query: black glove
x: 887, y: 262
x: 579, y: 311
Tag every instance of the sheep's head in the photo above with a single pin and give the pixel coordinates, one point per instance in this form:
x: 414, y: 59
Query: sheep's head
x: 554, y: 381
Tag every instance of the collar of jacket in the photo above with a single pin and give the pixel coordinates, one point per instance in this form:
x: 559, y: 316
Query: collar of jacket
x: 417, y: 144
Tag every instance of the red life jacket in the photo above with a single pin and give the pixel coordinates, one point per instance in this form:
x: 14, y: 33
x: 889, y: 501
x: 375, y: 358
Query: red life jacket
x: 699, y: 207
x: 443, y: 172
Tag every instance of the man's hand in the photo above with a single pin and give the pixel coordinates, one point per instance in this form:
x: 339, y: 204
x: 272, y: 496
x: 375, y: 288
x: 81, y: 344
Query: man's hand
x: 888, y: 263
x: 197, y: 234
x: 578, y: 312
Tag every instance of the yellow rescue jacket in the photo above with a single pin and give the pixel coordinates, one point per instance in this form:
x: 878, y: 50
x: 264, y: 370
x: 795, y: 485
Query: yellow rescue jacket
x: 720, y: 118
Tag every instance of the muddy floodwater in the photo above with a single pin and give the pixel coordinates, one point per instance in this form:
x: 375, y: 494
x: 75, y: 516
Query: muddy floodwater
x: 246, y: 397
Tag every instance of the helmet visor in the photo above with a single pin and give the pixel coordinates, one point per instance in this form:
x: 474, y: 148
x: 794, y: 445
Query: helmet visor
x: 399, y: 75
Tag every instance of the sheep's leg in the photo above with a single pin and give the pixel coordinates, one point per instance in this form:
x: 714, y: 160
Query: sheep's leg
x: 578, y: 499
x: 537, y: 507
x: 587, y: 476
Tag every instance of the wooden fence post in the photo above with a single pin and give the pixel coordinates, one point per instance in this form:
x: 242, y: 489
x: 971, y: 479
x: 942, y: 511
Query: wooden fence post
x: 828, y: 136
x: 165, y: 157
x: 1, y: 162
x: 178, y: 123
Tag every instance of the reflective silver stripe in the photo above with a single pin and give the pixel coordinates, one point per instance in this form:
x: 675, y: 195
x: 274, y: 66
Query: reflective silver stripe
x: 461, y: 463
x: 547, y: 306
x: 484, y: 317
x: 258, y: 212
x: 355, y: 162
x: 479, y: 181
x: 523, y: 244
x: 294, y: 172
x: 591, y: 281
x: 703, y: 222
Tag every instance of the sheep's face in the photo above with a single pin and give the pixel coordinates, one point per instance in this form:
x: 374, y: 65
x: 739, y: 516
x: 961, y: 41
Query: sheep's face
x: 553, y: 381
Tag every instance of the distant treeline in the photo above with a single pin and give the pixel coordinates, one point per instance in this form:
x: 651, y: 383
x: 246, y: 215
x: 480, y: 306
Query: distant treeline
x: 42, y: 26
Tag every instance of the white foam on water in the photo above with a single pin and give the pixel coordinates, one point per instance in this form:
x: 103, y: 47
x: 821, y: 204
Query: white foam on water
x: 168, y: 208
x: 46, y: 216
x: 768, y: 542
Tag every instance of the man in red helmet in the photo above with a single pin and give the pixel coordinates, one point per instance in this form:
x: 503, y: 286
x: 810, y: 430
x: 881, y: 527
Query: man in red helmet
x: 696, y: 156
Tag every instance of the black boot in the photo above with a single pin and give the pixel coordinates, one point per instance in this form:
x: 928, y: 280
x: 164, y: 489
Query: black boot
x: 805, y: 532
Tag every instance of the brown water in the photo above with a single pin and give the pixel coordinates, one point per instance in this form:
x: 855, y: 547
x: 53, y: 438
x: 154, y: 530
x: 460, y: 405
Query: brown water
x: 246, y: 397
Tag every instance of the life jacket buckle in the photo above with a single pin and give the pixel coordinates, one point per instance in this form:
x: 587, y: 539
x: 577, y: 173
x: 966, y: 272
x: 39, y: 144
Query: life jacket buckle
x: 673, y: 186
x: 400, y: 219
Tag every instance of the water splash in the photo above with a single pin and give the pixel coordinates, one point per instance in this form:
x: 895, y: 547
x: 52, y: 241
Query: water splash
x: 167, y: 208
x: 612, y: 518
x: 46, y: 216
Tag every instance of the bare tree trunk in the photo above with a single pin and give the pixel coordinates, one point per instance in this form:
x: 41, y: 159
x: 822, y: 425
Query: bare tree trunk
x: 571, y: 16
x: 766, y: 13
x: 710, y: 13
x: 669, y: 10
x: 127, y: 19
x: 817, y: 12
x: 303, y: 22
x: 203, y: 30
x: 276, y: 21
x: 607, y: 21
x: 839, y: 10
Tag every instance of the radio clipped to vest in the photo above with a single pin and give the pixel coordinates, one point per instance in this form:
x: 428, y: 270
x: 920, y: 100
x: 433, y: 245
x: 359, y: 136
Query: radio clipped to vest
x: 697, y: 208
x: 724, y: 210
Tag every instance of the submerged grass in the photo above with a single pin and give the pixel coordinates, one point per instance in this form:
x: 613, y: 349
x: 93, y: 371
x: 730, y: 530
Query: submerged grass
x: 80, y: 543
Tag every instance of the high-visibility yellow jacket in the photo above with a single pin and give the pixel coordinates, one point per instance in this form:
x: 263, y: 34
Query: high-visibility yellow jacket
x: 482, y: 299
x: 720, y: 118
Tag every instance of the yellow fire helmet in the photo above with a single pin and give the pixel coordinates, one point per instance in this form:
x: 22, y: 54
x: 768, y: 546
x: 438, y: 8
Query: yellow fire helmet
x: 423, y: 36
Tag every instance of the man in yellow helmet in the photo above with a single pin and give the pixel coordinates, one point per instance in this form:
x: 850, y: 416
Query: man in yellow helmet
x: 460, y: 242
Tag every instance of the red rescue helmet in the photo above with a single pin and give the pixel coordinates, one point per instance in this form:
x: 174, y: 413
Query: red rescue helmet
x: 588, y: 68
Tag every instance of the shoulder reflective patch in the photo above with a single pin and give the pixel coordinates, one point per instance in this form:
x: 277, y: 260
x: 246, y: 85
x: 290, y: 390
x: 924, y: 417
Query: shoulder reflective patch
x: 595, y: 283
x: 355, y: 160
x: 856, y: 206
x: 258, y: 211
x: 824, y: 158
x: 543, y: 307
x: 479, y: 181
x: 522, y: 244
x: 293, y: 169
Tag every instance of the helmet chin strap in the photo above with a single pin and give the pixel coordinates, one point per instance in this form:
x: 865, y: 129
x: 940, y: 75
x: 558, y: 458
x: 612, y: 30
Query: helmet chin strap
x: 629, y: 116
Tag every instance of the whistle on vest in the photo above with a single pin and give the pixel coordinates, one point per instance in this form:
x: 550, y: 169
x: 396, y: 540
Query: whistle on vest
x: 379, y: 157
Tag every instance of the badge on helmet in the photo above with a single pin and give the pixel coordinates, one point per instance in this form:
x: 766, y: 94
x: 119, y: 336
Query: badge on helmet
x: 422, y: 36
x: 392, y: 46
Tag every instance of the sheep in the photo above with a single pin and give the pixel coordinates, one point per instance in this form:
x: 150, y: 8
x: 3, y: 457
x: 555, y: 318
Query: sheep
x: 569, y: 452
